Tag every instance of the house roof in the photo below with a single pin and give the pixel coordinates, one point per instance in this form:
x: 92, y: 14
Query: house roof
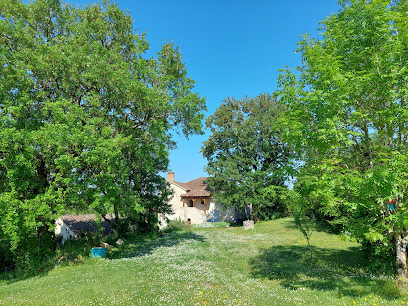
x: 86, y: 223
x: 182, y: 185
x: 197, y: 188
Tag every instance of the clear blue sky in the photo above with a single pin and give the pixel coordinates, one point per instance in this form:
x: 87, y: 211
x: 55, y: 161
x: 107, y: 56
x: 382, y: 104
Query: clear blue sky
x: 231, y: 48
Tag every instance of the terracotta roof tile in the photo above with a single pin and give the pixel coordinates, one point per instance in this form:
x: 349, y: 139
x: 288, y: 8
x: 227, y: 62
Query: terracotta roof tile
x: 86, y: 223
x: 182, y: 185
x: 197, y: 188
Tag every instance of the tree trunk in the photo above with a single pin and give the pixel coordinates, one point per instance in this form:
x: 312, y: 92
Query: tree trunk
x: 116, y: 211
x: 115, y: 223
x: 401, y: 255
x: 310, y: 247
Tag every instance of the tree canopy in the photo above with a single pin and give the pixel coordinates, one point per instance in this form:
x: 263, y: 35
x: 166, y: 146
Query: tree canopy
x: 246, y: 154
x: 85, y: 118
x: 347, y: 118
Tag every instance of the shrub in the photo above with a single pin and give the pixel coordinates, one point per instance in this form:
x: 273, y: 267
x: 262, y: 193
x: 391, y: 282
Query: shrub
x: 6, y: 257
x: 380, y: 255
x: 175, y: 225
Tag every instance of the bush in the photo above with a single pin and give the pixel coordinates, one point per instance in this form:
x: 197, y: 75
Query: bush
x: 34, y: 253
x: 6, y: 257
x: 266, y: 213
x: 175, y: 226
x: 380, y: 255
x: 75, y: 251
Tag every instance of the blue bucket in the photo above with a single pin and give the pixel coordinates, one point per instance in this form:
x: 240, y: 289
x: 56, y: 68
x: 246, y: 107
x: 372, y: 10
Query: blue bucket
x: 98, y: 252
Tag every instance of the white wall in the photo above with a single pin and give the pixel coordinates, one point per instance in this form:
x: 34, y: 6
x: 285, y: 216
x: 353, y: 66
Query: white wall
x: 184, y: 214
x: 62, y: 230
x: 176, y: 201
x: 195, y: 214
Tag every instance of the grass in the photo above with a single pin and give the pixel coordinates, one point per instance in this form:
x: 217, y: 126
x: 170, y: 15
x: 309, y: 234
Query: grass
x: 215, y: 266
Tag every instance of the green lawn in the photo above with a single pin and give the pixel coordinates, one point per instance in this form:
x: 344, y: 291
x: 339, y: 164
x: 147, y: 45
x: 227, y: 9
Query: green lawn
x: 228, y: 266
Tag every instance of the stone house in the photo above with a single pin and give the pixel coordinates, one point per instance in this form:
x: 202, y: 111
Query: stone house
x: 194, y: 203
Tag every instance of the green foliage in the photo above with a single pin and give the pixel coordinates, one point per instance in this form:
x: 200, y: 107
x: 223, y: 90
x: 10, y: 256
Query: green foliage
x: 77, y: 251
x: 346, y: 117
x: 380, y: 256
x: 175, y: 225
x: 85, y: 120
x: 303, y: 215
x: 246, y: 154
x: 6, y: 256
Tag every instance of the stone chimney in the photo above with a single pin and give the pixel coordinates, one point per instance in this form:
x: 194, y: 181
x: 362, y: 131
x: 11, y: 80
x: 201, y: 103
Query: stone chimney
x: 170, y: 177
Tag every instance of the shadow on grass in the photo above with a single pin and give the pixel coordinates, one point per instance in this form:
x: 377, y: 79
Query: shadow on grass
x: 76, y: 252
x: 73, y: 252
x: 17, y: 275
x: 331, y: 270
x: 145, y: 245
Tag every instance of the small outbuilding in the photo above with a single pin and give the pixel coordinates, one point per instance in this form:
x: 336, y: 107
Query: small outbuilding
x: 71, y: 226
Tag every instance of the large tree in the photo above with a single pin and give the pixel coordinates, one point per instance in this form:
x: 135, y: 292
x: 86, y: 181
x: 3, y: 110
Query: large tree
x: 85, y: 119
x: 246, y: 154
x: 347, y: 116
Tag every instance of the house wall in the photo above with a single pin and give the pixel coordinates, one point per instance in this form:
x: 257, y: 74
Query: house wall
x: 176, y: 202
x: 214, y: 211
x: 193, y: 215
x: 199, y: 204
x: 62, y: 230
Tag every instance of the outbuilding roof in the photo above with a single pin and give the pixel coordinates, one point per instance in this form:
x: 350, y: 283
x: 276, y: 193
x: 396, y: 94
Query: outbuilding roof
x: 86, y: 223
